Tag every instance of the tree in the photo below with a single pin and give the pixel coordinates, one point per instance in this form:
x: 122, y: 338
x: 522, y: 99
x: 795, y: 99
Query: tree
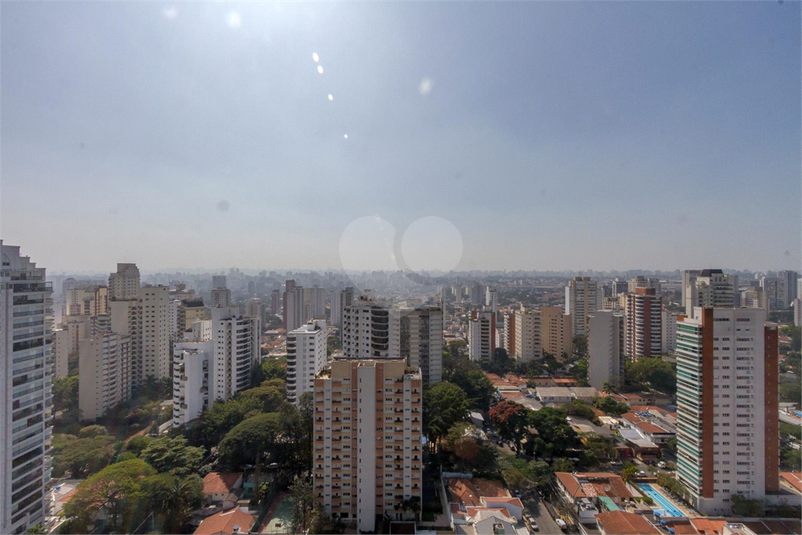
x: 794, y: 332
x: 790, y: 391
x: 172, y: 498
x: 610, y: 406
x: 258, y: 435
x: 580, y: 345
x: 477, y: 386
x: 173, y: 455
x: 470, y: 451
x: 747, y: 507
x: 65, y: 393
x: 561, y: 464
x: 554, y: 434
x: 443, y: 405
x: 220, y: 418
x: 303, y: 505
x: 580, y: 372
x: 81, y: 456
x: 92, y: 431
x: 511, y: 420
x: 271, y: 368
x: 268, y: 395
x: 115, y: 490
x: 629, y: 472
x: 653, y: 372
x: 790, y: 458
x: 577, y: 407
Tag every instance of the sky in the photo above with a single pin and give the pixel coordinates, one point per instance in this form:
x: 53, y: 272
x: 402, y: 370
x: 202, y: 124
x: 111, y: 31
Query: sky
x: 385, y: 135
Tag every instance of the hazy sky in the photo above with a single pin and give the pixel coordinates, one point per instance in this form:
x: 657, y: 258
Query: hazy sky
x: 568, y: 135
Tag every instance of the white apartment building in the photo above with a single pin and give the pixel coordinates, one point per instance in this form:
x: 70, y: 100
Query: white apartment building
x: 219, y: 281
x: 191, y: 373
x: 790, y: 281
x: 797, y: 306
x: 528, y: 343
x: 605, y: 349
x: 306, y: 356
x: 556, y: 334
x: 727, y: 402
x: 367, y: 440
x: 491, y: 299
x: 643, y: 324
x: 709, y: 288
x: 669, y: 331
x: 124, y: 284
x: 86, y: 301
x: 26, y: 368
x: 509, y: 332
x: 104, y: 379
x: 582, y: 299
x: 643, y: 282
x: 236, y: 351
x: 482, y: 336
x: 366, y: 329
x: 336, y: 310
x: 201, y: 331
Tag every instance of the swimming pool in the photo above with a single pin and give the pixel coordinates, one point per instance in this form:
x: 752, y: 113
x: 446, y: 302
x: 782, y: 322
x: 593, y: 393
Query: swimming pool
x: 659, y: 499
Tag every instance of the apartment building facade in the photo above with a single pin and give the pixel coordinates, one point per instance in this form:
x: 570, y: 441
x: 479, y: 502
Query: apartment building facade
x: 306, y: 356
x: 367, y: 440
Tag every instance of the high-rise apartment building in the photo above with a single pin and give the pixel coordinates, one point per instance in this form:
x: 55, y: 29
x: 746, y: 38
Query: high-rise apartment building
x: 477, y: 293
x: 156, y: 332
x: 306, y: 356
x: 491, y: 299
x: 796, y: 304
x: 221, y: 297
x: 255, y: 307
x: 104, y: 380
x: 482, y: 336
x: 669, y: 331
x: 219, y: 281
x: 86, y: 301
x: 367, y: 440
x: 581, y: 300
x: 789, y: 279
x: 124, y: 284
x: 755, y: 297
x: 191, y: 375
x: 340, y: 300
x: 416, y: 335
x: 194, y: 310
x: 643, y: 282
x: 236, y: 351
x: 66, y: 339
x: 643, y: 324
x: 275, y: 302
x: 374, y: 329
x: 777, y: 292
x: 727, y: 401
x: 528, y: 343
x: 556, y: 332
x: 709, y: 288
x: 509, y: 332
x: 26, y: 369
x: 605, y: 349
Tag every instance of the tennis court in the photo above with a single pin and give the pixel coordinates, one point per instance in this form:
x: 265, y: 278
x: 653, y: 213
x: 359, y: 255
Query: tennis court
x: 281, y: 521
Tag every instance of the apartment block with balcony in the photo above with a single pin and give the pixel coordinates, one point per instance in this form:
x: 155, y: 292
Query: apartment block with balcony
x: 528, y: 342
x: 236, y: 351
x: 368, y: 421
x: 605, y: 349
x: 582, y: 298
x: 306, y: 356
x: 104, y: 362
x: 482, y: 336
x: 643, y: 324
x: 556, y: 333
x: 25, y: 390
x: 727, y: 402
x: 191, y: 367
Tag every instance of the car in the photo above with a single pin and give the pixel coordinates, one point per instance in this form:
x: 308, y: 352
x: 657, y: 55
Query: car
x: 661, y: 464
x: 560, y: 523
x: 616, y: 463
x: 642, y: 473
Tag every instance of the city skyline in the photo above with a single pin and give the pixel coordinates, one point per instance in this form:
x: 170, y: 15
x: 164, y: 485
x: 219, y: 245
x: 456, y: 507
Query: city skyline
x: 639, y: 135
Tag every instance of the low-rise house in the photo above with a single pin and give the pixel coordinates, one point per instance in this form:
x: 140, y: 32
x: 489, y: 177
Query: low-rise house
x: 644, y: 448
x: 554, y: 394
x: 218, y: 486
x: 584, y: 393
x: 231, y: 522
x: 585, y: 490
x: 623, y: 523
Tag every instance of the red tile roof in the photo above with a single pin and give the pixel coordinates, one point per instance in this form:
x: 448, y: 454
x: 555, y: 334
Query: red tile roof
x: 224, y: 522
x: 623, y: 523
x: 470, y: 491
x: 793, y: 478
x: 472, y: 511
x: 219, y: 482
x: 706, y: 526
x: 594, y: 484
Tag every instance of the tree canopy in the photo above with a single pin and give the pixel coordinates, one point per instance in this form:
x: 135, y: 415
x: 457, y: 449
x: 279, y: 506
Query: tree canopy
x: 443, y: 405
x: 173, y: 455
x: 510, y: 419
x: 654, y: 373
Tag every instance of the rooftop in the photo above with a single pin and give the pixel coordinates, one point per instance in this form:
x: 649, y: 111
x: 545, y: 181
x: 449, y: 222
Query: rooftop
x: 220, y: 482
x: 225, y: 522
x: 623, y: 523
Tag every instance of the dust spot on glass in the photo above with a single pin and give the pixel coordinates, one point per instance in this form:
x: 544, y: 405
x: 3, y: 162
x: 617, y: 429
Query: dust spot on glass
x: 331, y: 97
x: 81, y: 145
x: 345, y: 136
x: 320, y: 69
x: 171, y: 13
x: 425, y: 86
x: 682, y: 219
x: 223, y: 205
x: 787, y: 252
x: 113, y: 211
x: 457, y: 176
x: 234, y: 20
x: 543, y: 192
x: 315, y: 57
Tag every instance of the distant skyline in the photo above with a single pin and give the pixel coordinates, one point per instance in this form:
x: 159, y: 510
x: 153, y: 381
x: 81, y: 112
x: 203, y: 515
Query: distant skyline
x: 547, y: 136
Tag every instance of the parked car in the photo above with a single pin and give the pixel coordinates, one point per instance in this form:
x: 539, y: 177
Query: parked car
x: 661, y: 464
x: 560, y: 523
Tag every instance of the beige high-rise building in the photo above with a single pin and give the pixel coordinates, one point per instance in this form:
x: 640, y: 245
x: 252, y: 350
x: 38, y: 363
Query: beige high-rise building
x: 528, y: 344
x: 367, y: 440
x: 124, y: 284
x: 156, y: 331
x: 66, y: 339
x: 643, y: 324
x: 709, y: 288
x: 194, y: 310
x: 482, y: 336
x: 605, y: 349
x: 104, y: 380
x: 236, y: 351
x: 556, y: 332
x: 86, y: 301
x: 582, y: 299
x: 755, y: 297
x: 221, y: 297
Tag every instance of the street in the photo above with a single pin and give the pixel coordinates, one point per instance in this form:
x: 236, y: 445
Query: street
x: 534, y: 507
